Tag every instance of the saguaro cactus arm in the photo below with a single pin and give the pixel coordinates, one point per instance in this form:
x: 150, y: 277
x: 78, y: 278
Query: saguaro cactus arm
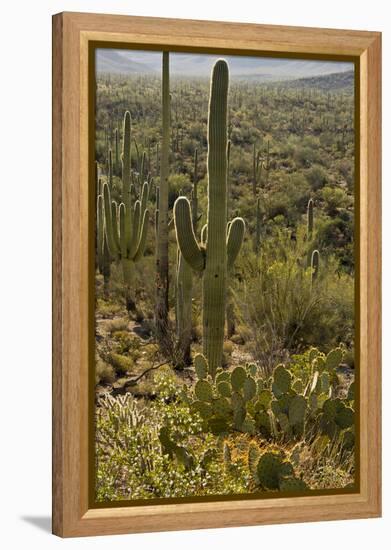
x: 100, y: 228
x: 114, y: 223
x: 111, y: 242
x: 126, y: 160
x: 204, y: 234
x: 122, y: 230
x: 315, y: 264
x: 186, y: 239
x: 144, y: 196
x: 135, y: 229
x: 234, y: 240
x: 143, y: 237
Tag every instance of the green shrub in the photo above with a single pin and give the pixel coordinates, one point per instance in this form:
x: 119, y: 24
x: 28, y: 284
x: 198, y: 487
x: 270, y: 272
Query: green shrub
x: 103, y: 372
x: 121, y: 363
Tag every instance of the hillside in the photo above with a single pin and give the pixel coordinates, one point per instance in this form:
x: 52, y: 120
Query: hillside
x: 330, y: 82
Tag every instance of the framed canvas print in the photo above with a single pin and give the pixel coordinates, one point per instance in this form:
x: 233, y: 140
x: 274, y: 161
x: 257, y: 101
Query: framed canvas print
x: 216, y: 230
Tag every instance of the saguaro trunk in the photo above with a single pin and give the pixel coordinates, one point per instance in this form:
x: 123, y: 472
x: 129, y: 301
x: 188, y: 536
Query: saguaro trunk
x: 218, y: 251
x: 215, y: 275
x: 161, y: 314
x: 184, y: 307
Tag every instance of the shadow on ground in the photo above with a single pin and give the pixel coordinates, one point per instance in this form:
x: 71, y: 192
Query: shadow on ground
x: 44, y: 523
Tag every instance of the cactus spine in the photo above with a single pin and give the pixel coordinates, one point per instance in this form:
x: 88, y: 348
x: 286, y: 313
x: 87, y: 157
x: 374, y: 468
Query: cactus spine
x: 126, y: 225
x: 220, y: 250
x: 161, y: 312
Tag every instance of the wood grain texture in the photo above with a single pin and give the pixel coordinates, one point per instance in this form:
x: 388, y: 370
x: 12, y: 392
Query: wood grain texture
x: 57, y: 466
x: 71, y: 35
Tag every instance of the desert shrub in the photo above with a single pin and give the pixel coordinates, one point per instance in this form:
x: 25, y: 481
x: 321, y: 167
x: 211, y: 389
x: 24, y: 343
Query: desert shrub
x: 306, y: 156
x: 115, y: 325
x: 285, y: 310
x: 103, y: 372
x: 107, y: 308
x: 158, y: 451
x: 121, y: 363
x: 334, y: 198
x: 178, y: 183
x: 126, y: 343
x: 316, y: 177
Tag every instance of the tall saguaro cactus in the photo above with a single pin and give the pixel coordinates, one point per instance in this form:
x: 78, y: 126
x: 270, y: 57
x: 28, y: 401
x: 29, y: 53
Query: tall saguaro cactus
x: 161, y: 313
x: 126, y: 225
x: 103, y: 255
x: 104, y: 258
x: 310, y: 219
x: 315, y: 256
x: 257, y: 227
x: 310, y: 230
x: 194, y: 193
x: 220, y: 249
x: 257, y: 170
x: 116, y: 135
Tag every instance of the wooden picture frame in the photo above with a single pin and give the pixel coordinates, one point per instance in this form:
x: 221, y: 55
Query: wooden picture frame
x: 72, y: 33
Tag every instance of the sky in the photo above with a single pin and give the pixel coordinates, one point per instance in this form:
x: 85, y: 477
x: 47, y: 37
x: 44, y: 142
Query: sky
x: 118, y: 61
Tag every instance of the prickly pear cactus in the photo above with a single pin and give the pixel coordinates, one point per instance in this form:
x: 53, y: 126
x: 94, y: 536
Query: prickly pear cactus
x: 282, y: 380
x: 284, y: 406
x: 201, y: 366
x: 271, y: 468
x: 203, y: 390
x: 292, y: 484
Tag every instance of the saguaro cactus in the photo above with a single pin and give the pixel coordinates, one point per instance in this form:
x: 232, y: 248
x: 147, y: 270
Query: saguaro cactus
x: 161, y: 312
x: 257, y: 227
x: 116, y: 135
x: 184, y: 282
x: 126, y: 225
x: 310, y: 231
x: 310, y: 219
x: 230, y: 308
x: 184, y: 291
x: 228, y: 178
x: 104, y: 259
x: 102, y: 251
x: 267, y: 163
x: 314, y: 265
x: 194, y: 194
x: 257, y: 169
x: 220, y: 249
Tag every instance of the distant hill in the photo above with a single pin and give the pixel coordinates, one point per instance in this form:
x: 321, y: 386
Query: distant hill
x: 330, y: 82
x: 122, y: 62
x: 257, y: 69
